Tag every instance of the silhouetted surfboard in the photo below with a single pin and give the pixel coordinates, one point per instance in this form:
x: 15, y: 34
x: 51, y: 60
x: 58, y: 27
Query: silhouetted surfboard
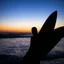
x: 49, y: 23
x: 46, y: 35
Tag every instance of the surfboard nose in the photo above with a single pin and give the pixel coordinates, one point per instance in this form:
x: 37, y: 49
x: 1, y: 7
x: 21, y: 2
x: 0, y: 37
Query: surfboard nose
x: 50, y: 22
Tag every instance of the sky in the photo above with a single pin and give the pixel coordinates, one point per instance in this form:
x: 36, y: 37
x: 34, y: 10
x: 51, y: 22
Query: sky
x: 22, y: 15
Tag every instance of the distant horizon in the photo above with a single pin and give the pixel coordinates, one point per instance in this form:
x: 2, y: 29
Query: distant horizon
x: 13, y: 32
x: 21, y: 30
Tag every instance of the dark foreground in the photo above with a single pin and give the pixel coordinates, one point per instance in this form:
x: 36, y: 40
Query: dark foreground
x: 12, y: 59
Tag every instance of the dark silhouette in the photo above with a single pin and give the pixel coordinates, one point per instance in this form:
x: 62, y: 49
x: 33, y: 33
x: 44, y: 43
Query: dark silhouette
x: 31, y: 56
x: 48, y: 36
x: 44, y: 41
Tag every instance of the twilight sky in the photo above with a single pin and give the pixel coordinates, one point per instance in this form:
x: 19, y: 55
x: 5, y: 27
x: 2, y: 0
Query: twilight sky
x: 22, y: 15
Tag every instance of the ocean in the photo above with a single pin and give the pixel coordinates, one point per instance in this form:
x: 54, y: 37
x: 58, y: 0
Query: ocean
x: 19, y: 47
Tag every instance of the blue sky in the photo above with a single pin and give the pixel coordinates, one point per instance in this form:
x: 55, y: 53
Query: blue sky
x: 25, y: 14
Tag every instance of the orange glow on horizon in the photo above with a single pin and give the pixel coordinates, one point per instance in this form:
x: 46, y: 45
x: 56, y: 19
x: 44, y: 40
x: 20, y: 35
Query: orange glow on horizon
x: 14, y: 29
x: 19, y: 29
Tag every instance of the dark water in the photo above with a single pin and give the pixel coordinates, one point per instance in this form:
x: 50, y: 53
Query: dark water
x: 19, y: 47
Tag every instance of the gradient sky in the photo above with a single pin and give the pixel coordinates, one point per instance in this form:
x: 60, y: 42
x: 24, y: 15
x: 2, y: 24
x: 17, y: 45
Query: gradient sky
x: 22, y: 15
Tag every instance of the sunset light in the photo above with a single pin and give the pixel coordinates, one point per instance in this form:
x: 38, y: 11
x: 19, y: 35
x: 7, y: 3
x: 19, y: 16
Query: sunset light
x: 22, y: 15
